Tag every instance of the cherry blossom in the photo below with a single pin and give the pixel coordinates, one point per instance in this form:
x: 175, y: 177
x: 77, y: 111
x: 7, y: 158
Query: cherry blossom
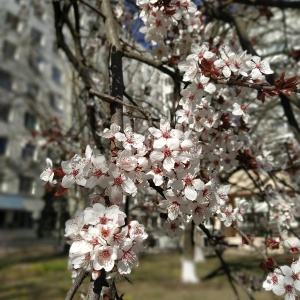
x: 119, y: 184
x: 96, y: 171
x: 292, y: 275
x: 188, y: 184
x: 227, y: 62
x: 104, y: 257
x: 165, y: 135
x: 48, y: 174
x: 182, y: 159
x: 129, y: 138
x: 259, y: 67
x: 227, y: 215
x: 240, y: 110
x: 74, y: 172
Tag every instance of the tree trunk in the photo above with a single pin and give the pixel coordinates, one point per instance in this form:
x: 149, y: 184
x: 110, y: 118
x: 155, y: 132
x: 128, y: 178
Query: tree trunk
x: 188, y: 268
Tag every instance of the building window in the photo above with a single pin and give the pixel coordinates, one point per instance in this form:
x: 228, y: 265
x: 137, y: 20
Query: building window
x: 29, y: 121
x: 4, y: 112
x: 25, y: 185
x: 12, y: 20
x: 5, y: 80
x: 55, y: 47
x: 56, y: 74
x: 14, y: 219
x: 55, y: 103
x: 28, y: 152
x: 32, y: 91
x: 169, y: 97
x: 8, y: 50
x: 36, y: 36
x: 3, y: 145
x: 169, y: 81
x: 38, y: 10
x: 35, y: 60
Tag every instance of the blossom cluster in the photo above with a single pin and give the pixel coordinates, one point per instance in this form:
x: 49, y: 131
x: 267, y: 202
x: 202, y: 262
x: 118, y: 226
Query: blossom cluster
x: 100, y: 240
x: 181, y: 161
x: 159, y: 16
x: 283, y: 208
x: 168, y: 157
x: 284, y: 281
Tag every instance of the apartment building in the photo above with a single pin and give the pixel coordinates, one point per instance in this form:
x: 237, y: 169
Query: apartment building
x: 33, y: 89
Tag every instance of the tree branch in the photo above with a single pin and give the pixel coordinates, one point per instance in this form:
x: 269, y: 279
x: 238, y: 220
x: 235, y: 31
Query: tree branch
x: 78, y: 281
x: 111, y: 99
x: 270, y: 3
x: 284, y: 100
x: 223, y: 263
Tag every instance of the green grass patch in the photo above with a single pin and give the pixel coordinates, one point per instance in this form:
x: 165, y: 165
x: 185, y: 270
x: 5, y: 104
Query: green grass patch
x: 157, y: 278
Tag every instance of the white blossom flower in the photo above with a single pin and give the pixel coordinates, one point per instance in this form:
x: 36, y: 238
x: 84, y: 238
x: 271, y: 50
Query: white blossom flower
x: 99, y: 214
x: 96, y: 171
x: 189, y: 184
x: 259, y: 67
x: 74, y: 172
x: 272, y: 279
x: 104, y: 257
x: 127, y: 256
x: 130, y: 139
x: 110, y: 133
x: 48, y: 173
x: 240, y: 110
x: 165, y: 135
x: 74, y: 226
x: 119, y: 184
x: 292, y: 275
x: 227, y: 215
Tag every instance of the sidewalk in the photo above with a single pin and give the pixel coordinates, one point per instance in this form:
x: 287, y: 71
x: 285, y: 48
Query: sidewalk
x: 25, y: 242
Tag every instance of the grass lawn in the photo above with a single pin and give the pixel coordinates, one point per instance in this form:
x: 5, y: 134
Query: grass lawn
x: 158, y: 277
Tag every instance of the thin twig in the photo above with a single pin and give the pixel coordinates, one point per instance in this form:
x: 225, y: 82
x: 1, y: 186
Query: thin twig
x: 110, y: 99
x: 243, y: 235
x: 96, y: 10
x: 223, y: 263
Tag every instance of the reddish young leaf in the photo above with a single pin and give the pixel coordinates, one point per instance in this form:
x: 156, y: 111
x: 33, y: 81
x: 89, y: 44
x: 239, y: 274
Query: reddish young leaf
x: 286, y: 86
x: 48, y: 187
x: 59, y: 172
x: 272, y: 243
x: 60, y: 191
x: 268, y: 265
x: 249, y: 239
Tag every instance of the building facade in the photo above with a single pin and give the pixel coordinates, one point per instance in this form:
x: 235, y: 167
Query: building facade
x: 34, y: 89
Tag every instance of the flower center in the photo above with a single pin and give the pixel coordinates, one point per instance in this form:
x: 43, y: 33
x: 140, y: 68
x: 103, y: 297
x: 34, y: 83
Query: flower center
x: 166, y: 135
x: 75, y: 172
x: 167, y: 152
x: 188, y: 180
x: 97, y: 173
x: 118, y: 181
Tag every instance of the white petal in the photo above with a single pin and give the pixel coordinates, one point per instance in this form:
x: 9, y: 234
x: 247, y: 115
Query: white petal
x: 156, y: 156
x: 198, y: 184
x: 190, y: 193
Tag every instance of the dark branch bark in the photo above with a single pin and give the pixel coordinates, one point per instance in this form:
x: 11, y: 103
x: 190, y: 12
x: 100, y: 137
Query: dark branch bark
x: 270, y: 3
x: 284, y: 100
x: 95, y: 287
x: 111, y: 99
x: 61, y: 43
x: 117, y: 89
x: 223, y: 263
x: 78, y: 281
